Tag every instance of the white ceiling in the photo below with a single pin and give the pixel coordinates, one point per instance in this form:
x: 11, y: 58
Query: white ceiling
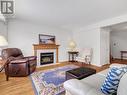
x: 69, y: 13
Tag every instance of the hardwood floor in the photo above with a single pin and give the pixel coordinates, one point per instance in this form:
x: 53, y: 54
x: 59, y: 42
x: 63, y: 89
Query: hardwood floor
x: 15, y: 86
x: 124, y: 61
x: 23, y: 86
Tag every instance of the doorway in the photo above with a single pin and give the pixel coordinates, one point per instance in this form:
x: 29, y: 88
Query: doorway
x: 118, y: 43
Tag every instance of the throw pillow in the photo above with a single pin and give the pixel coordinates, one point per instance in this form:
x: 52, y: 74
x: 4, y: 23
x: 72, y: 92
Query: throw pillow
x: 111, y: 82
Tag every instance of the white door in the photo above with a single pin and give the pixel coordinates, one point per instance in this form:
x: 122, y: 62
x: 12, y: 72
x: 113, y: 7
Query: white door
x: 105, y: 46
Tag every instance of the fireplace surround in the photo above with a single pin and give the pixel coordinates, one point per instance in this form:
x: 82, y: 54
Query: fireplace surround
x: 43, y: 49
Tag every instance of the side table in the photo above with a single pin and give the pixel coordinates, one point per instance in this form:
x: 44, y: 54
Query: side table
x: 72, y: 55
x: 123, y: 53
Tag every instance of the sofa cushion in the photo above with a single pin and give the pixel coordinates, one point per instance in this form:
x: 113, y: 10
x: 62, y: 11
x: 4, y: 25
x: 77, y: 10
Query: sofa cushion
x: 94, y: 78
x: 77, y: 87
x: 111, y: 82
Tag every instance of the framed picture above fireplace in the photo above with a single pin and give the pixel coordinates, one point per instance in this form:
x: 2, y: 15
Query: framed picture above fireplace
x: 46, y: 39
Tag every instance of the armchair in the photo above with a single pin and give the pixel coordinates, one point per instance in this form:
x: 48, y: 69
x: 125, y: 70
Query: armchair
x: 85, y: 56
x: 16, y: 65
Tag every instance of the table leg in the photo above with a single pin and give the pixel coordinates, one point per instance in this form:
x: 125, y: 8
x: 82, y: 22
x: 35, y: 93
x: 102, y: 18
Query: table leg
x: 69, y: 57
x: 121, y: 56
x: 72, y: 57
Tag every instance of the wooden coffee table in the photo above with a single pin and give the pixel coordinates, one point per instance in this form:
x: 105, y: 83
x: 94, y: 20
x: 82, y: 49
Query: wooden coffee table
x: 79, y: 73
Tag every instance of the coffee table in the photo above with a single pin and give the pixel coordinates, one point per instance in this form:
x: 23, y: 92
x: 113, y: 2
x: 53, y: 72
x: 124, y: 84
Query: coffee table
x: 79, y: 73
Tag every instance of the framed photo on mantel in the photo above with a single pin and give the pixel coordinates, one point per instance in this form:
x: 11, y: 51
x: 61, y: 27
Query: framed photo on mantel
x: 46, y: 39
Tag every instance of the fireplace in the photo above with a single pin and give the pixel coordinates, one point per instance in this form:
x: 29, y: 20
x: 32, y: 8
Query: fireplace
x: 44, y: 51
x: 46, y: 58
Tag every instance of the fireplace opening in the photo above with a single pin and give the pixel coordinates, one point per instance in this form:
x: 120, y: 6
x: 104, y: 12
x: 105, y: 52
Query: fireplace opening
x: 46, y: 58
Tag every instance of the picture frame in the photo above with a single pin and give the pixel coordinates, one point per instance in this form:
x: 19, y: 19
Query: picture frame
x: 46, y: 39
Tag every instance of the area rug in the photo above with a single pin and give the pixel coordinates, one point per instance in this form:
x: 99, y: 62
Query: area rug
x: 50, y: 82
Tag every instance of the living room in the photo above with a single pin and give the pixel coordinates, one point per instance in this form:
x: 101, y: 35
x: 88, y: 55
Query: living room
x: 76, y: 26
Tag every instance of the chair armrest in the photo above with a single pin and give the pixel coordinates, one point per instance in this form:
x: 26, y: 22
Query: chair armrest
x: 76, y: 87
x: 11, y: 58
x: 30, y: 57
x: 19, y: 61
x: 14, y: 58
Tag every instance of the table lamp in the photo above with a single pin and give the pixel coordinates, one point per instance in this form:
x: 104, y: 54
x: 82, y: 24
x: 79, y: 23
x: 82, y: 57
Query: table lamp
x: 3, y: 42
x: 72, y: 45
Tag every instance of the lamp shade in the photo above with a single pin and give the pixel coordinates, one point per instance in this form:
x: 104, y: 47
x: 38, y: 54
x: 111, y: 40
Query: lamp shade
x: 72, y: 45
x: 3, y: 41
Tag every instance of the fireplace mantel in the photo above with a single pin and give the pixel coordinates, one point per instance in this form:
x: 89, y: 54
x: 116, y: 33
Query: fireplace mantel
x: 45, y: 47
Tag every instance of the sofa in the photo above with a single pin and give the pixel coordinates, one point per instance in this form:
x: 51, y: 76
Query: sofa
x: 92, y: 85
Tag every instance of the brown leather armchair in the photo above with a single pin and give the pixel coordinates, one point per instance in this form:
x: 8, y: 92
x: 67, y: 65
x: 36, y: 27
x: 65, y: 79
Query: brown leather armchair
x: 16, y: 65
